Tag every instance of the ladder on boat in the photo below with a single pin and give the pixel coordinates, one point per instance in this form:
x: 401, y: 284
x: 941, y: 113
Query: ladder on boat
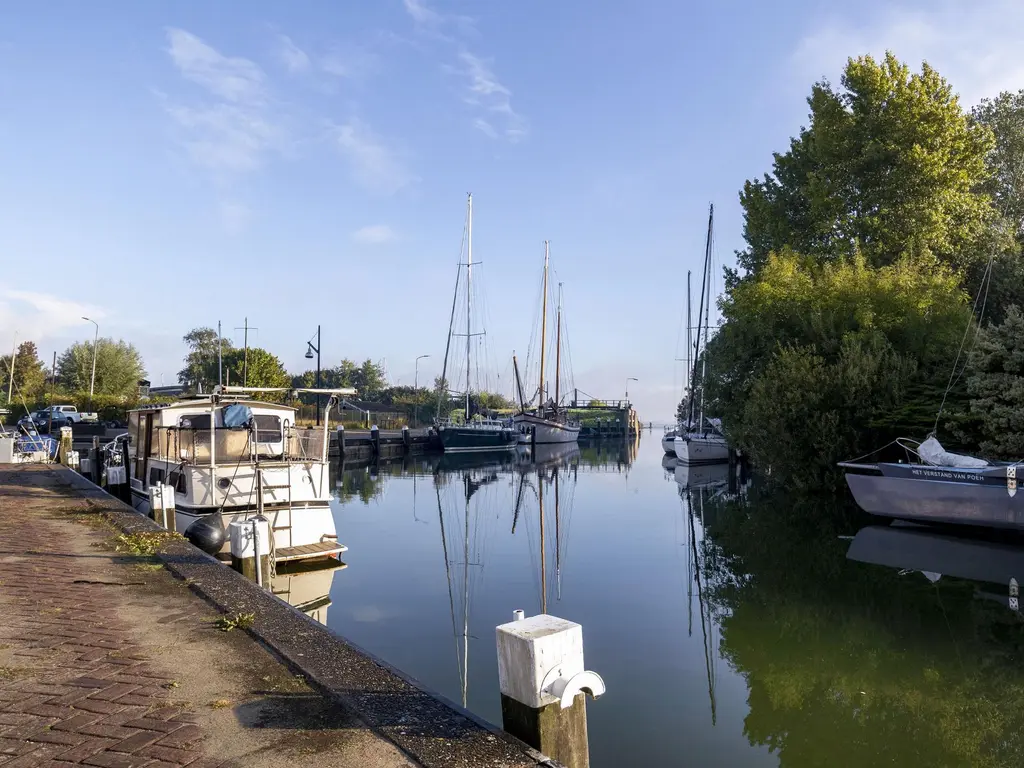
x: 291, y: 552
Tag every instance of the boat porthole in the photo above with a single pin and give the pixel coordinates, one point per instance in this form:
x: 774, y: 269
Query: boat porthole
x: 223, y: 483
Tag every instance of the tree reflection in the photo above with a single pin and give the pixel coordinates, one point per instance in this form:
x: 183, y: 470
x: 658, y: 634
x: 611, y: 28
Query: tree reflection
x: 855, y: 664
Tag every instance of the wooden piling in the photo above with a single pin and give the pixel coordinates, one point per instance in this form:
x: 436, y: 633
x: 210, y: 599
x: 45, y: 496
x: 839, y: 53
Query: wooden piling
x: 341, y: 443
x: 375, y: 440
x: 406, y: 441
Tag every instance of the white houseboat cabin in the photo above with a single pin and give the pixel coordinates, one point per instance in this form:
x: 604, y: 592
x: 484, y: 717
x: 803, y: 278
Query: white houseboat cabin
x: 230, y: 456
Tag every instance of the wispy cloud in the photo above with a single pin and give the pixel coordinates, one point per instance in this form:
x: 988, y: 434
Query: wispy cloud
x: 485, y: 92
x: 40, y: 316
x: 230, y: 129
x: 376, y: 234
x: 352, y: 62
x: 490, y: 99
x: 294, y: 58
x: 975, y: 45
x: 374, y: 165
x: 235, y: 79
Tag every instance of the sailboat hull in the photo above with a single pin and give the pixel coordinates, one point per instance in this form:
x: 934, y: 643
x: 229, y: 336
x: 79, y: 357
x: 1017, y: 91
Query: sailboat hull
x: 455, y: 439
x: 546, y: 431
x: 697, y: 449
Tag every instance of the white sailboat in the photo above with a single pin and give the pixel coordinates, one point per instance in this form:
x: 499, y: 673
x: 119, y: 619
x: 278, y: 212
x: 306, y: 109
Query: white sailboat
x: 548, y: 422
x: 702, y: 440
x: 463, y: 432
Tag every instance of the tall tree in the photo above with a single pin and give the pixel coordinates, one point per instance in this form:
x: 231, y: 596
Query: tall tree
x: 1004, y: 116
x: 890, y: 165
x: 265, y: 369
x: 996, y: 386
x: 118, y: 367
x: 201, y: 360
x: 29, y: 372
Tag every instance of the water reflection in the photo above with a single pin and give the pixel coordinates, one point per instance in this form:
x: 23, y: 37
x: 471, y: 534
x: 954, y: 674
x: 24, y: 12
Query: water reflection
x: 733, y: 626
x: 471, y: 491
x: 871, y: 651
x: 307, y: 586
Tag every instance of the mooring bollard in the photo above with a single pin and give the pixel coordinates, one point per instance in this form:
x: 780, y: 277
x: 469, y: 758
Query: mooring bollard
x: 375, y: 440
x: 250, y: 543
x: 542, y: 682
x: 161, y: 506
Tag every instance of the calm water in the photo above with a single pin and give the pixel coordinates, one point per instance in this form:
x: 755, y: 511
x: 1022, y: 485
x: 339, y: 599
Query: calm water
x: 731, y: 627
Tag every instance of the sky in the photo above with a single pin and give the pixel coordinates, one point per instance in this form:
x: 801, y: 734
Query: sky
x: 168, y: 165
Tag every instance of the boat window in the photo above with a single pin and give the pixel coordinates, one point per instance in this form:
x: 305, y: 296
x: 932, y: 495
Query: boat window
x: 156, y: 475
x: 177, y: 479
x: 268, y: 428
x: 195, y: 421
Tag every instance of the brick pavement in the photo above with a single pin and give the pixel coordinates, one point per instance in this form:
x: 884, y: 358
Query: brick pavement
x: 79, y: 685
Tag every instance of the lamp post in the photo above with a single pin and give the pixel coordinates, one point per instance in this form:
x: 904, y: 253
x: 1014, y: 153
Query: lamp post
x: 310, y: 349
x: 629, y: 379
x: 416, y: 386
x: 95, y: 344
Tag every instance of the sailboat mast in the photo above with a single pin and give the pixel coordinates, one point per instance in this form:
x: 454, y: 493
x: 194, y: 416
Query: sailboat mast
x: 469, y: 291
x: 558, y: 349
x: 689, y: 333
x: 700, y: 311
x: 519, y: 383
x: 543, y: 325
x: 707, y: 312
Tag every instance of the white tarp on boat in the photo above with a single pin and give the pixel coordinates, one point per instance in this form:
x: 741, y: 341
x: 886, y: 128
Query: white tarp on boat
x: 932, y: 452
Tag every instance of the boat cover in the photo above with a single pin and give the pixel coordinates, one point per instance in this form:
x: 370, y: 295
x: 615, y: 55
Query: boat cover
x: 932, y: 452
x: 237, y: 415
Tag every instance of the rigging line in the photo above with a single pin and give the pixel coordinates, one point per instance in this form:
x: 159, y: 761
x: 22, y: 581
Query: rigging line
x: 700, y: 600
x: 977, y: 331
x: 963, y: 341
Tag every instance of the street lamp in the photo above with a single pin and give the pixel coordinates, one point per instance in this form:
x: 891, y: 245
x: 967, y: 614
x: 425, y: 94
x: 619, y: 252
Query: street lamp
x: 95, y: 343
x: 310, y: 349
x: 631, y: 378
x: 416, y: 386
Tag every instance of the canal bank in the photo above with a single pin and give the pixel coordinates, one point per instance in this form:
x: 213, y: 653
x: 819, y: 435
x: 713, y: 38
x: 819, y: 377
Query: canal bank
x: 119, y: 659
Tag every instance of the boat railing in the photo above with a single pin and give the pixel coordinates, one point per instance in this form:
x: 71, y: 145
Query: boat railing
x: 186, y: 445
x: 475, y: 423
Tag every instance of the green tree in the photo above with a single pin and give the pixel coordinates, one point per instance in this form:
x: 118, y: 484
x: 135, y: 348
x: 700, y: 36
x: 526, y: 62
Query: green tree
x: 996, y: 386
x: 834, y: 353
x: 889, y: 165
x: 1004, y: 116
x: 201, y: 360
x: 29, y: 373
x: 118, y: 367
x: 264, y: 368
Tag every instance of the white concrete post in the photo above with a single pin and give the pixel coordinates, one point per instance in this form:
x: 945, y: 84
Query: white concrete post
x: 542, y: 681
x: 249, y: 540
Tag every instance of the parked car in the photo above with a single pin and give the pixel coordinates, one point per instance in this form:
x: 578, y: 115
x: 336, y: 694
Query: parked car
x: 62, y: 415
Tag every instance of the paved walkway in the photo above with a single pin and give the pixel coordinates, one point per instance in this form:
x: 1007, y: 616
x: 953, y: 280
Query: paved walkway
x: 108, y: 661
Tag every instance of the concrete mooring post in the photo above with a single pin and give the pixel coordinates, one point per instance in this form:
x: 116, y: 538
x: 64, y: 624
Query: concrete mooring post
x: 250, y: 543
x: 161, y: 506
x: 542, y: 682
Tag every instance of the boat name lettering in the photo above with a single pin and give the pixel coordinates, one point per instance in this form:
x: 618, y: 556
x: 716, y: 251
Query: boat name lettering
x: 946, y: 474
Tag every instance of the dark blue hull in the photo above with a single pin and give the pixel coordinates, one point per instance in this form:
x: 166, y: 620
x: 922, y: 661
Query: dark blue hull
x: 463, y: 439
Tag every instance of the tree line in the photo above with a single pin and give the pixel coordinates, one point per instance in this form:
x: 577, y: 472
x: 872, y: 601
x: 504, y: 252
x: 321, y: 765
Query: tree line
x: 119, y: 368
x: 879, y: 292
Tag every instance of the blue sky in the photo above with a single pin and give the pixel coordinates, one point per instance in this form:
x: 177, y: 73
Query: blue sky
x: 168, y: 165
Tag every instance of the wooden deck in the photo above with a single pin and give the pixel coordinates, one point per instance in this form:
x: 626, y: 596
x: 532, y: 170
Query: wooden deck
x: 321, y: 549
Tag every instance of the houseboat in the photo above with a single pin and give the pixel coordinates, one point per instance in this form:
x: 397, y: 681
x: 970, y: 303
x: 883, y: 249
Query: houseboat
x: 229, y: 457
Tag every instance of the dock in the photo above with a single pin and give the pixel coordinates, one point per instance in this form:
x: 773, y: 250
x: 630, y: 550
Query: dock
x: 126, y: 647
